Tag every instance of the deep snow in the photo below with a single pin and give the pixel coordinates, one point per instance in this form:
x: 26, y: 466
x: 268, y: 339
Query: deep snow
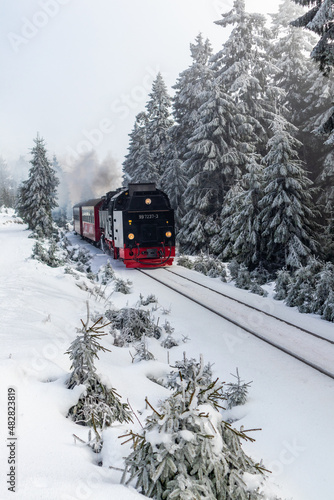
x: 41, y: 308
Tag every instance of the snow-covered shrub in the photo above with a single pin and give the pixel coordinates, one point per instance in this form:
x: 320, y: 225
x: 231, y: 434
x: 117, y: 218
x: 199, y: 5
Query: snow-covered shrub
x: 168, y: 342
x: 130, y: 324
x: 142, y: 352
x: 301, y: 291
x: 188, y: 370
x: 260, y: 275
x: 48, y: 253
x: 99, y: 406
x: 150, y: 299
x: 184, y: 261
x: 80, y: 256
x: 233, y: 268
x: 256, y: 288
x: 311, y: 289
x: 282, y: 285
x: 106, y: 273
x: 324, y: 292
x: 237, y: 392
x: 186, y: 450
x: 210, y: 266
x: 243, y: 279
x: 122, y: 286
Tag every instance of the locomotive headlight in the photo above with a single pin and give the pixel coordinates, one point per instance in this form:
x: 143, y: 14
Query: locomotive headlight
x: 168, y: 234
x: 148, y: 201
x: 131, y: 236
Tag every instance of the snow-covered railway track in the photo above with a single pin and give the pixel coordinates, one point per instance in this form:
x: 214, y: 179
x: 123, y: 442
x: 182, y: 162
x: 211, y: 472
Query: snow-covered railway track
x: 252, y: 307
x: 303, y: 345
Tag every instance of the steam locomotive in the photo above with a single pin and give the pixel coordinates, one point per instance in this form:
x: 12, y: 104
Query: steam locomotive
x: 135, y: 224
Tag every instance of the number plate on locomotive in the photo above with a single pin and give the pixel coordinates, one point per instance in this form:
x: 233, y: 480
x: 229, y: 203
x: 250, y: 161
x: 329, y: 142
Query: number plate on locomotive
x: 148, y: 216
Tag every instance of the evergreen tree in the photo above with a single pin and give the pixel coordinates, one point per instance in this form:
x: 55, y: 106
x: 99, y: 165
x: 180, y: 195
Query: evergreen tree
x: 214, y: 162
x: 246, y: 228
x: 222, y: 243
x: 173, y: 181
x: 243, y: 66
x: 287, y: 215
x: 186, y: 451
x: 7, y: 186
x: 99, y: 406
x: 158, y: 124
x: 319, y: 19
x: 307, y: 93
x: 37, y: 195
x: 188, y: 94
x: 64, y: 203
x: 138, y: 165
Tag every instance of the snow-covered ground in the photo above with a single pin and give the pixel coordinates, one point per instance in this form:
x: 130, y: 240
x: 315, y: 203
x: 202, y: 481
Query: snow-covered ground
x: 41, y: 308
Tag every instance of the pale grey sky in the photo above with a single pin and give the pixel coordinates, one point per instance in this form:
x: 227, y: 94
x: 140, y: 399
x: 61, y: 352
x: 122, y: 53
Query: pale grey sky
x: 78, y: 71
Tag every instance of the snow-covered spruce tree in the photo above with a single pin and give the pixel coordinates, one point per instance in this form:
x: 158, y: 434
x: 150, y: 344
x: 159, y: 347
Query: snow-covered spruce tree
x: 319, y: 19
x: 213, y: 162
x: 282, y: 284
x: 245, y: 69
x: 245, y: 229
x: 37, y: 195
x: 98, y: 406
x: 138, y: 165
x: 186, y: 451
x: 130, y: 324
x: 307, y: 93
x: 64, y: 210
x: 287, y: 212
x: 303, y: 285
x: 324, y: 292
x: 7, y: 186
x: 237, y: 392
x: 158, y: 124
x: 188, y: 94
x: 174, y: 181
x: 222, y: 243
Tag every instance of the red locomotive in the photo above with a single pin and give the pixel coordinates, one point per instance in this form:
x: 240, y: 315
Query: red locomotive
x: 136, y: 224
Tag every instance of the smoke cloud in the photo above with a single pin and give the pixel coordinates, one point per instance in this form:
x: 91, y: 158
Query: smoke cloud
x: 88, y: 177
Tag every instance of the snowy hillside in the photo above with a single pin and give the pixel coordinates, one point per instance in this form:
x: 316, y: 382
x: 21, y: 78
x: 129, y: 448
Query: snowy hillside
x: 41, y: 309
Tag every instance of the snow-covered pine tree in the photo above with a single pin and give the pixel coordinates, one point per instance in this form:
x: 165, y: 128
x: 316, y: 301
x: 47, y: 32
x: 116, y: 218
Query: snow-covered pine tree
x: 37, y: 195
x: 287, y: 212
x: 282, y: 284
x: 244, y: 67
x: 98, y: 406
x: 214, y: 162
x: 319, y: 19
x: 188, y: 89
x: 246, y: 228
x: 326, y: 199
x: 64, y: 209
x: 7, y: 186
x: 307, y: 93
x: 186, y: 451
x: 173, y: 181
x: 158, y: 124
x: 324, y: 292
x: 237, y: 392
x: 222, y: 243
x: 138, y: 165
